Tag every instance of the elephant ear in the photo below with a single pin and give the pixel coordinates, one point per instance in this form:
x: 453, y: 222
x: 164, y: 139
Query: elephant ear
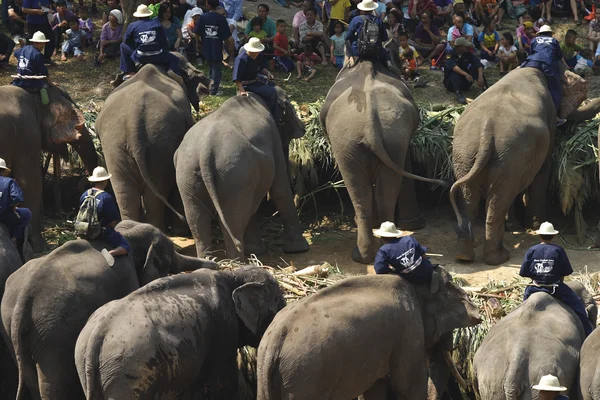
x: 250, y: 305
x: 294, y: 126
x: 62, y: 118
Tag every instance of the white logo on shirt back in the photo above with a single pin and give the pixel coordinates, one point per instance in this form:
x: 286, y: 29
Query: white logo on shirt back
x: 147, y: 37
x: 211, y: 31
x: 23, y: 62
x: 543, y: 266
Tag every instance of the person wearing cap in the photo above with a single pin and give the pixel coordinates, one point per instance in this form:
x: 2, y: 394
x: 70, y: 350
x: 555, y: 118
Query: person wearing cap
x: 145, y: 42
x: 14, y: 218
x: 31, y: 62
x: 549, y: 388
x: 108, y: 212
x: 401, y: 254
x: 547, y: 56
x: 366, y: 8
x: 547, y: 264
x: 189, y: 24
x: 462, y: 68
x: 248, y: 64
x: 111, y: 36
x: 37, y: 21
x: 60, y: 22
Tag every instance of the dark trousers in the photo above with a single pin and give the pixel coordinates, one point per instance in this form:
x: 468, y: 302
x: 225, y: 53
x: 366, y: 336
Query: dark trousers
x: 269, y: 94
x: 16, y: 222
x: 112, y: 49
x: 127, y: 61
x: 552, y: 79
x: 565, y: 294
x: 215, y: 71
x: 115, y: 239
x: 57, y: 36
x: 455, y: 82
x: 46, y: 29
x: 6, y: 47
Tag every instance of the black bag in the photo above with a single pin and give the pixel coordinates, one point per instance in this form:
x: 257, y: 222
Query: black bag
x: 368, y: 39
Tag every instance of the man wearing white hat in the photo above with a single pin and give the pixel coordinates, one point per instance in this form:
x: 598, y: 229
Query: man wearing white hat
x: 30, y: 63
x: 371, y: 48
x: 547, y: 264
x: 549, y: 388
x: 14, y: 218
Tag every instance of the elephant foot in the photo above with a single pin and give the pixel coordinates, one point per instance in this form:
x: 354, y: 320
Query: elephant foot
x: 296, y: 244
x: 468, y: 256
x: 360, y: 258
x: 255, y: 248
x: 496, y: 257
x: 412, y: 225
x: 464, y: 249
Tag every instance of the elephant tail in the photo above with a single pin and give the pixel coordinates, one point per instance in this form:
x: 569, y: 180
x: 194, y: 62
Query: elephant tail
x: 90, y: 361
x: 482, y: 157
x: 17, y: 326
x: 270, y: 384
x: 512, y: 380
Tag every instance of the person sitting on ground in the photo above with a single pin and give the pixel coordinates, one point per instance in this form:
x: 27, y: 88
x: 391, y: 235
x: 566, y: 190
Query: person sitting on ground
x: 546, y: 56
x: 520, y: 32
x: 188, y: 33
x: 74, y: 41
x: 60, y: 22
x: 549, y: 388
x: 594, y: 30
x: 409, y: 67
x: 268, y: 25
x: 338, y: 42
x: 172, y: 25
x: 299, y: 18
x: 486, y: 10
x: 248, y: 64
x: 445, y: 9
x: 392, y: 24
x: 427, y: 38
x: 111, y: 37
x: 514, y: 8
x: 527, y: 38
x: 145, y: 42
x: 13, y: 217
x: 374, y: 48
x: 507, y: 53
x: 489, y: 40
x: 30, y: 63
x: 417, y: 8
x: 404, y: 48
x: 6, y: 47
x: 585, y: 63
x: 16, y: 24
x: 570, y: 49
x: 460, y: 29
x: 462, y: 68
x: 282, y: 48
x: 547, y: 264
x: 257, y: 30
x: 108, y: 212
x: 313, y: 33
x: 87, y: 26
x: 306, y: 63
x: 112, y: 5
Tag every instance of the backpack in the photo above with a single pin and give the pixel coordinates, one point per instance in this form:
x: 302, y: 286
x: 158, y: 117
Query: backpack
x: 87, y: 223
x: 368, y: 39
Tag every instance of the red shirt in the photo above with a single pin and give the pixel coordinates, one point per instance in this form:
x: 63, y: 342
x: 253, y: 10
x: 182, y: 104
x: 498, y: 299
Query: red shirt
x: 309, y: 60
x: 280, y: 40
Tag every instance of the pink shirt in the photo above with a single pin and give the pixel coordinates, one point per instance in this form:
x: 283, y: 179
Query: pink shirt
x: 521, y: 30
x: 298, y: 19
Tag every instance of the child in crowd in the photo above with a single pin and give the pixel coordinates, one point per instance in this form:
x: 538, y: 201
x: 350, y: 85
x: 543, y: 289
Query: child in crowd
x: 585, y: 63
x: 521, y: 28
x: 257, y: 30
x: 489, y: 40
x: 594, y: 32
x: 74, y: 41
x: 527, y: 38
x: 337, y: 45
x: 570, y: 48
x: 282, y: 48
x: 306, y: 63
x: 507, y: 53
x: 409, y: 67
x: 404, y: 47
x: 86, y: 25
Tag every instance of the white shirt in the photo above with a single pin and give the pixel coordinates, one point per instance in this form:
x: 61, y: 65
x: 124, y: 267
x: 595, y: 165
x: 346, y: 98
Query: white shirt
x: 504, y: 51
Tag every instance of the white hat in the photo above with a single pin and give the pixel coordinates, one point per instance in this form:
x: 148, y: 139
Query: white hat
x: 546, y: 229
x: 99, y: 175
x: 142, y: 11
x: 549, y: 383
x: 3, y: 165
x: 118, y: 15
x: 367, y: 5
x: 196, y: 11
x: 545, y: 28
x: 39, y: 37
x: 388, y: 229
x: 254, y: 45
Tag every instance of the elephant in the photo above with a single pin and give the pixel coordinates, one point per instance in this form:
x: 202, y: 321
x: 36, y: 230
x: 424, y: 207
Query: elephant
x: 48, y: 301
x: 227, y: 163
x: 499, y: 155
x: 542, y: 336
x: 589, y: 368
x: 177, y: 337
x: 346, y: 339
x: 26, y: 128
x: 139, y: 138
x: 369, y: 116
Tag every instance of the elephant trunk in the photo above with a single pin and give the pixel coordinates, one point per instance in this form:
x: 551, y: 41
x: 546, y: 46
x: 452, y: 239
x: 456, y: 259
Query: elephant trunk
x: 186, y: 263
x: 84, y: 146
x: 585, y: 112
x: 453, y: 369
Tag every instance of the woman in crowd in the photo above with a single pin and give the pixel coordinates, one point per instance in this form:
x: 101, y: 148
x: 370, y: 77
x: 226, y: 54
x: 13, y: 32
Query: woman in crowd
x: 172, y: 25
x: 111, y: 36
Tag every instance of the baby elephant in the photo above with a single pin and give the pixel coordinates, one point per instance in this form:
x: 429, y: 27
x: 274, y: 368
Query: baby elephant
x: 177, y: 337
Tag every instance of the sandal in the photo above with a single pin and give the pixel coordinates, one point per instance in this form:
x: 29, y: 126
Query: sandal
x: 577, y: 22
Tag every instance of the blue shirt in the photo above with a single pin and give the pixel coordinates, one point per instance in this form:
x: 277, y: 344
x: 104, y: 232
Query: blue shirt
x: 546, y: 263
x: 546, y: 49
x: 36, y: 5
x: 245, y: 67
x: 147, y: 37
x: 10, y: 194
x: 406, y: 257
x: 108, y: 211
x: 355, y: 27
x: 233, y: 8
x: 30, y: 62
x: 75, y: 37
x: 213, y: 30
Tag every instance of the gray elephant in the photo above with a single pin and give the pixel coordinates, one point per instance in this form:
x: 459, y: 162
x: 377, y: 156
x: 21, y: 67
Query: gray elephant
x: 499, y: 155
x: 225, y: 166
x: 370, y: 116
x: 139, y: 138
x: 26, y: 128
x: 48, y: 301
x: 346, y: 339
x: 177, y: 337
x: 589, y: 367
x: 542, y: 336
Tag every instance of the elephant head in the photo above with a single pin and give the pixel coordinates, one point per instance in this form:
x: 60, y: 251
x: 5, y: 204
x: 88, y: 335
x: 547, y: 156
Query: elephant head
x: 154, y: 254
x: 195, y: 82
x: 257, y: 298
x: 292, y: 127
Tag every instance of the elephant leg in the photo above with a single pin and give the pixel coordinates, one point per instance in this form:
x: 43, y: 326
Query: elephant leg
x: 28, y: 173
x: 511, y: 223
x: 253, y: 243
x: 408, y: 212
x: 178, y: 227
x: 129, y: 197
x: 378, y: 391
x: 408, y: 376
x: 57, y: 376
x: 199, y: 218
x: 154, y: 208
x: 468, y: 197
x: 497, y: 205
x: 535, y: 211
x: 387, y: 189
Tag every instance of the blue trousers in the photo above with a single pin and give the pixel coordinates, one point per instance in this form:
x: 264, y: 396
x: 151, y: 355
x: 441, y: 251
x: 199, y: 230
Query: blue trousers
x: 68, y: 48
x: 269, y: 94
x: 129, y: 58
x: 16, y: 223
x: 567, y: 296
x: 552, y: 79
x: 115, y: 239
x: 284, y: 63
x: 215, y: 71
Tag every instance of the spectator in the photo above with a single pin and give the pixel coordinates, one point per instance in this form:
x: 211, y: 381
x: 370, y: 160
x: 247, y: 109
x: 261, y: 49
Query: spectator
x: 507, y: 53
x: 340, y: 11
x: 299, y: 18
x: 489, y: 40
x: 526, y: 39
x: 409, y: 66
x: 306, y: 63
x: 187, y: 32
x: 312, y: 32
x: 460, y: 29
x: 213, y: 31
x: 393, y: 24
x: 181, y: 7
x: 462, y: 68
x: 444, y: 8
x: 416, y: 8
x: 6, y: 47
x: 570, y: 49
x: 233, y: 9
x: 486, y: 9
x: 594, y: 30
x: 112, y: 5
x: 427, y: 39
x: 338, y: 40
x: 462, y: 8
x: 514, y: 8
x: 282, y: 48
x: 17, y: 21
x: 74, y: 41
x: 585, y: 63
x: 404, y: 47
x: 521, y: 28
x: 60, y: 21
x: 257, y: 30
x: 111, y: 36
x: 268, y: 25
x: 37, y: 20
x: 171, y: 24
x: 87, y: 26
x: 233, y: 28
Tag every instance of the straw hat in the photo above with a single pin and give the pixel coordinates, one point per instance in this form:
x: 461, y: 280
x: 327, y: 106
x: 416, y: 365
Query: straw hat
x: 142, y: 11
x: 545, y: 28
x: 546, y: 229
x: 388, y: 229
x: 118, y: 15
x: 254, y: 45
x: 39, y: 37
x: 3, y: 165
x: 367, y: 5
x: 549, y: 383
x: 99, y: 175
x: 461, y: 41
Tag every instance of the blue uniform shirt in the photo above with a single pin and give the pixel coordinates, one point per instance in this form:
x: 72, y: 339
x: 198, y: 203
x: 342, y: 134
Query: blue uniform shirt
x: 213, y: 30
x: 10, y: 194
x: 546, y: 263
x: 546, y: 49
x: 147, y: 37
x: 355, y: 27
x: 30, y: 62
x: 36, y: 5
x: 245, y: 67
x: 406, y: 257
